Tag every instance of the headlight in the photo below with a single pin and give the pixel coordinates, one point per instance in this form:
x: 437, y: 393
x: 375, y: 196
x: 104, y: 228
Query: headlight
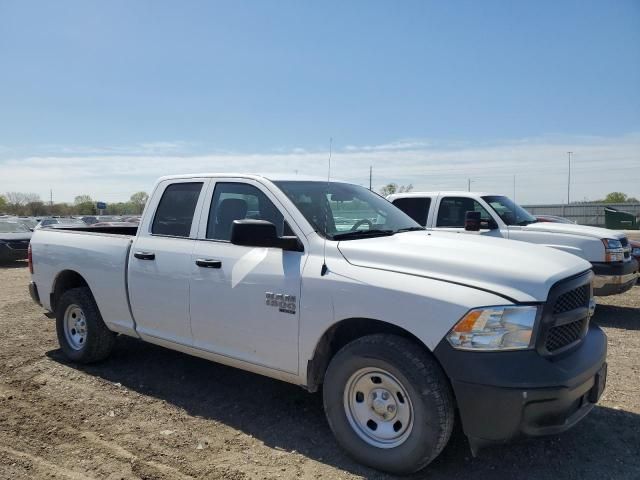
x: 613, y: 251
x: 611, y: 243
x: 495, y: 328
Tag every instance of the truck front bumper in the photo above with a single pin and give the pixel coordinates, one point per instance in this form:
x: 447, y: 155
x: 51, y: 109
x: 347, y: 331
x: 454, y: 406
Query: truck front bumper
x: 504, y: 395
x: 611, y: 279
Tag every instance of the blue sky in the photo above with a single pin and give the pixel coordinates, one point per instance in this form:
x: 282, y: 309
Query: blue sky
x: 431, y: 93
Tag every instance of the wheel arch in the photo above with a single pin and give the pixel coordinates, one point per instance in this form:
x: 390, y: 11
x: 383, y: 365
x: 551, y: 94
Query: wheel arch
x: 340, y: 334
x: 64, y: 281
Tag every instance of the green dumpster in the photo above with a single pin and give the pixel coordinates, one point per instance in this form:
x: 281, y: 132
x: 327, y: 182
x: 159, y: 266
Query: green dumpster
x: 618, y: 220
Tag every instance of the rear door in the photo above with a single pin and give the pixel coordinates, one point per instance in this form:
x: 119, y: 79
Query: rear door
x: 416, y: 207
x: 160, y: 261
x: 245, y: 300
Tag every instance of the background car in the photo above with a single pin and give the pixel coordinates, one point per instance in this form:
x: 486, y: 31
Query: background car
x: 50, y: 221
x: 113, y: 224
x: 89, y: 219
x: 28, y: 222
x: 635, y: 250
x: 14, y: 240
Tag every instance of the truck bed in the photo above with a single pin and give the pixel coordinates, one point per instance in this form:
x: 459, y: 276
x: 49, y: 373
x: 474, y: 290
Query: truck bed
x: 99, y: 256
x: 109, y: 230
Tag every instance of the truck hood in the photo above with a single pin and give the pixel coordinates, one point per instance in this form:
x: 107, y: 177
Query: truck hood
x: 516, y: 270
x: 572, y: 229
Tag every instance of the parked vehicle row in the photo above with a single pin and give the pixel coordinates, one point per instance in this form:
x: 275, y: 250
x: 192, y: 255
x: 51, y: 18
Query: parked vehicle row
x: 327, y: 284
x: 40, y: 222
x: 608, y: 251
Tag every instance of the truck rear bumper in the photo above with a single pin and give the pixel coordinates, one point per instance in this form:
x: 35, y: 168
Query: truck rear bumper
x: 504, y: 395
x: 614, y: 279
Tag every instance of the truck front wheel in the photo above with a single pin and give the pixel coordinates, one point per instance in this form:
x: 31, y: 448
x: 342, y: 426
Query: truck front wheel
x: 388, y: 403
x: 82, y: 334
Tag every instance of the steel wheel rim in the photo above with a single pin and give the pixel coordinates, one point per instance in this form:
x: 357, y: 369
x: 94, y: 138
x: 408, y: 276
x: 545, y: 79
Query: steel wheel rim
x: 378, y: 408
x: 75, y: 327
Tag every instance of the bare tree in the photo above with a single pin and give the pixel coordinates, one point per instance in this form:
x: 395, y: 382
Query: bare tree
x: 82, y: 199
x: 139, y: 199
x: 19, y: 198
x: 391, y: 188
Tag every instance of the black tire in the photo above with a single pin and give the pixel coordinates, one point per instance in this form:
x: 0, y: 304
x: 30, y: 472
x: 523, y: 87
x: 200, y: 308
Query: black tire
x: 98, y: 341
x: 423, y: 380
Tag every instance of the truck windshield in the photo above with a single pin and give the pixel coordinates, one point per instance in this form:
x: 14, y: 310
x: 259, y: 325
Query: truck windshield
x: 510, y: 212
x: 12, y: 227
x: 342, y: 211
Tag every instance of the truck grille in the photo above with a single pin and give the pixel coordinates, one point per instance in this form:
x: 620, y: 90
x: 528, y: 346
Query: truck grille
x: 624, y: 241
x: 563, y: 335
x: 565, y: 318
x: 572, y: 299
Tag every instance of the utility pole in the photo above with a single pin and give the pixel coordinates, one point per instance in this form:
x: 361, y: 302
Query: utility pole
x: 51, y: 201
x: 370, y: 175
x: 468, y: 184
x: 569, y: 180
x: 514, y: 188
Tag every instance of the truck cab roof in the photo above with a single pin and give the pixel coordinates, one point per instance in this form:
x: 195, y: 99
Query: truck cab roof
x: 457, y: 193
x: 273, y: 177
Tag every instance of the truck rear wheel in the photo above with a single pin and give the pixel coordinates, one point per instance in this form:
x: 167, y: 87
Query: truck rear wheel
x: 388, y: 403
x: 82, y: 334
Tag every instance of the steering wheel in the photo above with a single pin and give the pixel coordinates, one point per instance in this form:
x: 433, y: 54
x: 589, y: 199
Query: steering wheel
x: 359, y: 223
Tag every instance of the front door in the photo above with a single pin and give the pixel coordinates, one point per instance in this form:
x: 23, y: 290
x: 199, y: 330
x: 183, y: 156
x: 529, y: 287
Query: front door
x: 245, y: 300
x: 451, y: 212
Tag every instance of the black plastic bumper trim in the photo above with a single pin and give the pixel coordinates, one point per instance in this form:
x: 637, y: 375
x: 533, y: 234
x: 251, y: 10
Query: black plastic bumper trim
x: 614, y: 269
x: 503, y: 395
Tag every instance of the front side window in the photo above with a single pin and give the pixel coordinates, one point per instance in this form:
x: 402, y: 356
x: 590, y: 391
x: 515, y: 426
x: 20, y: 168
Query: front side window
x: 341, y: 211
x: 510, y: 212
x: 452, y: 211
x: 177, y: 206
x: 239, y: 201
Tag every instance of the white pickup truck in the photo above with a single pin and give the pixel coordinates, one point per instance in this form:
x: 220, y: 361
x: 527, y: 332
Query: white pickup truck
x: 495, y: 215
x: 326, y: 283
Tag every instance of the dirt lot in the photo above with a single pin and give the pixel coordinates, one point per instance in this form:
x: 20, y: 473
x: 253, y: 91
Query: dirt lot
x: 153, y: 413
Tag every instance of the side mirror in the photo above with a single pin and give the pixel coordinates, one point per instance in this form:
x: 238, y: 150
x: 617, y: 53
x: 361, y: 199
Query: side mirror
x: 492, y: 224
x: 260, y: 233
x: 472, y: 221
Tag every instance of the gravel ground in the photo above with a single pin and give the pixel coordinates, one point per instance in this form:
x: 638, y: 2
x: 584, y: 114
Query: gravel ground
x: 152, y: 413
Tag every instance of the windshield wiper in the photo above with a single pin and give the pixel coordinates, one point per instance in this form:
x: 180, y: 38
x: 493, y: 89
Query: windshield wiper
x: 409, y: 229
x: 524, y: 223
x: 362, y: 234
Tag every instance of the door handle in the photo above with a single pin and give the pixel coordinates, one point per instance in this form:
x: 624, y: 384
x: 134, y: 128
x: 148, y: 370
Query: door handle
x: 144, y: 255
x: 208, y: 263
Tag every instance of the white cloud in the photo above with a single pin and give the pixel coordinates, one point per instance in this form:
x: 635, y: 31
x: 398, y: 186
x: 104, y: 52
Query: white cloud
x: 600, y: 165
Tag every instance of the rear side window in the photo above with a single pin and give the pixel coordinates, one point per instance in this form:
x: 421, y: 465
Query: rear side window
x: 174, y: 215
x: 453, y: 210
x: 417, y: 208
